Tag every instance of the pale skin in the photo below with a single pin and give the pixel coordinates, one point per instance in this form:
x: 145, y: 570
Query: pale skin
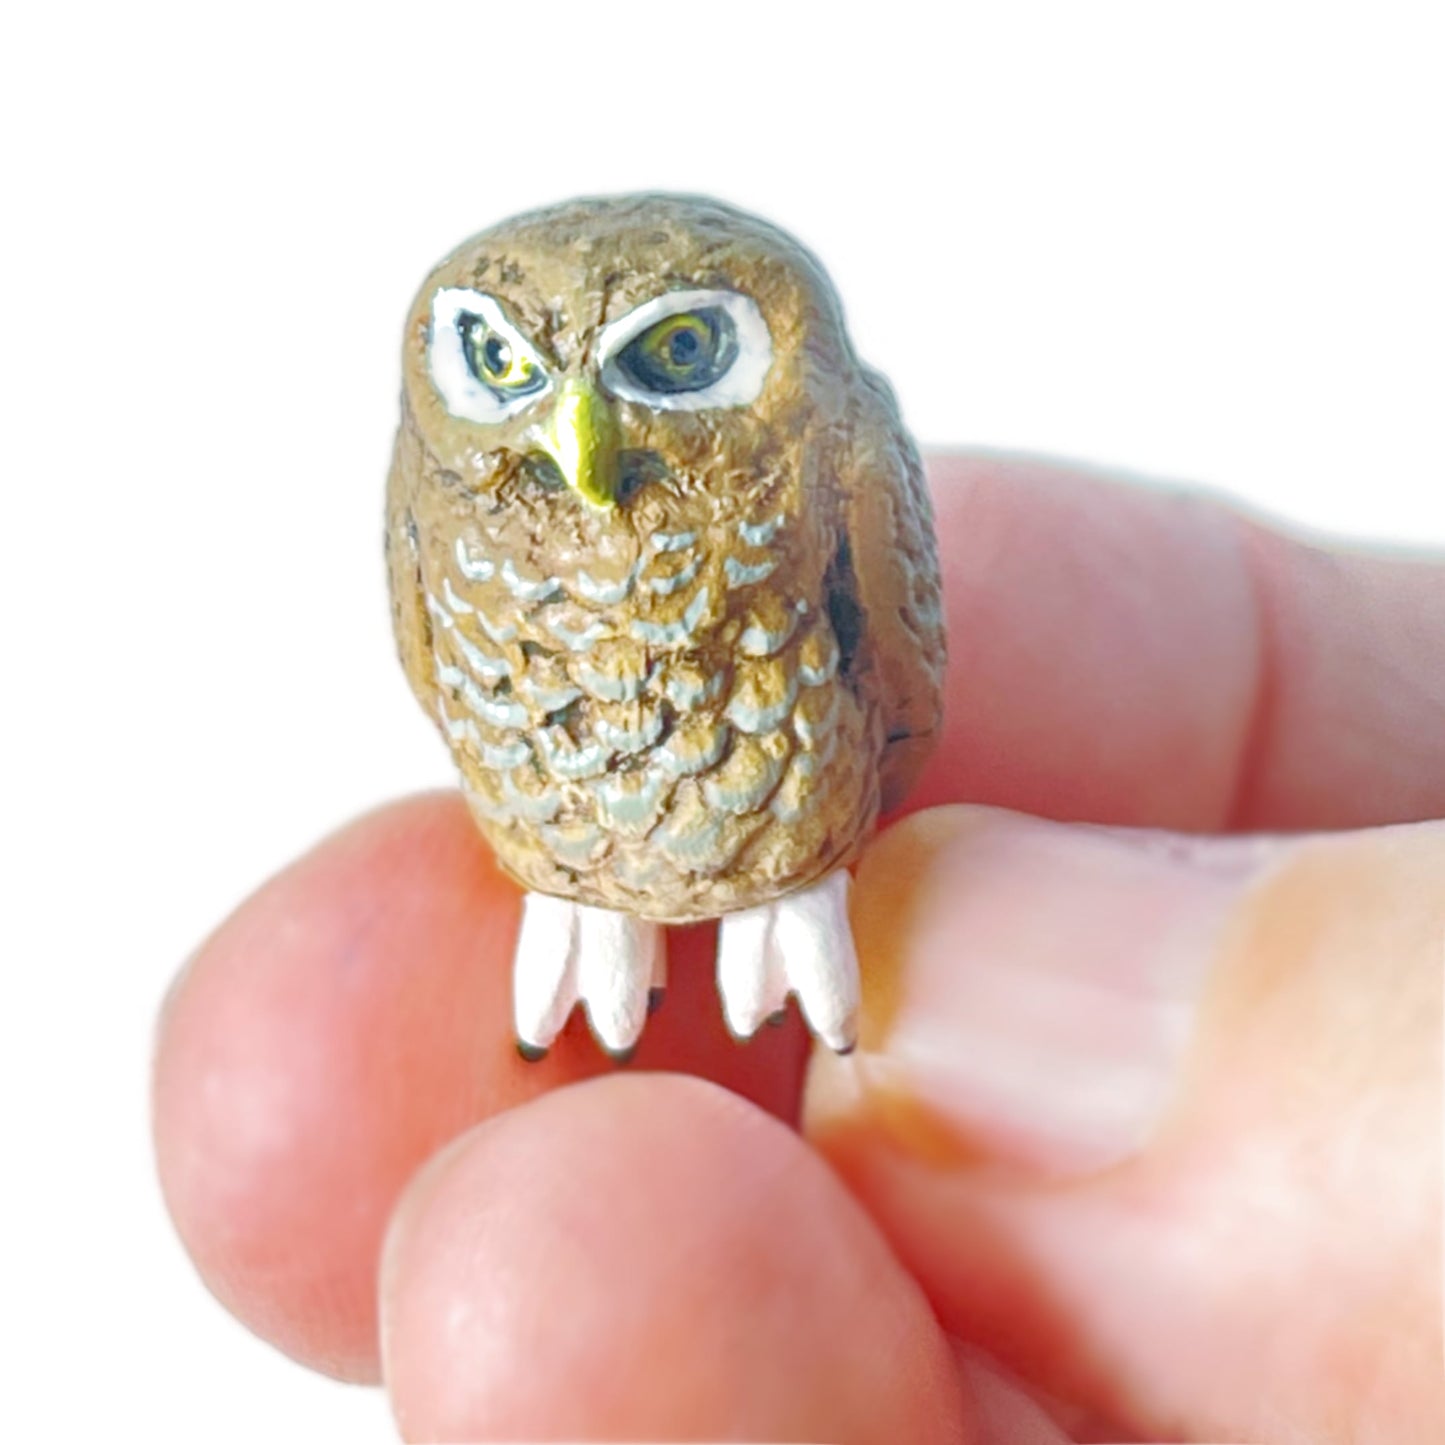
x: 1142, y: 1139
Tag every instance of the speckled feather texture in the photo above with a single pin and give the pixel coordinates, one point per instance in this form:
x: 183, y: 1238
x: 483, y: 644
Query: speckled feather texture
x: 698, y: 700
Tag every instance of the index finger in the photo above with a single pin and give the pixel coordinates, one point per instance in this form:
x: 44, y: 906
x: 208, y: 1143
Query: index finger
x: 349, y: 1019
x: 1137, y: 655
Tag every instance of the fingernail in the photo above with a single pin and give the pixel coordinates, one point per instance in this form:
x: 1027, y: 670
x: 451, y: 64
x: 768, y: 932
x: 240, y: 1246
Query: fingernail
x: 1029, y: 988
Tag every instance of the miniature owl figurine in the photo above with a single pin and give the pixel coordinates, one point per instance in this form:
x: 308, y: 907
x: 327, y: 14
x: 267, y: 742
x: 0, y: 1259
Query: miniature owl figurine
x: 662, y: 569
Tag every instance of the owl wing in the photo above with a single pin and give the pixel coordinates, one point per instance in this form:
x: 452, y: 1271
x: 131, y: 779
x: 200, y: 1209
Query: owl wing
x: 403, y: 568
x: 889, y: 538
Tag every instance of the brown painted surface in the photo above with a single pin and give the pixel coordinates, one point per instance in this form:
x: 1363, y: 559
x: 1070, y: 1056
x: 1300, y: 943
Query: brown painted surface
x: 676, y: 731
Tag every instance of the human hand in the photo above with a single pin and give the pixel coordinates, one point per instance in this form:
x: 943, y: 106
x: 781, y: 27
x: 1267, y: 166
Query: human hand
x: 1142, y: 1138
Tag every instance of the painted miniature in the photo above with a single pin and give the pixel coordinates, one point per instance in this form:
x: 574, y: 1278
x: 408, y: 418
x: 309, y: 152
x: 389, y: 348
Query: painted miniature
x: 663, y: 570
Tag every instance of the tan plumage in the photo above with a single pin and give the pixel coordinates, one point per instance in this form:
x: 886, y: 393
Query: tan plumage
x: 693, y: 701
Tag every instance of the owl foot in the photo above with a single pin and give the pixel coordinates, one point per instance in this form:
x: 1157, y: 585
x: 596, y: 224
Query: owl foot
x: 800, y: 944
x: 566, y: 953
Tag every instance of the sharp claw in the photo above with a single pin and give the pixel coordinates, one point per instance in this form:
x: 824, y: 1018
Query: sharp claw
x: 616, y: 962
x: 813, y: 938
x: 751, y: 984
x: 801, y: 944
x: 544, y: 974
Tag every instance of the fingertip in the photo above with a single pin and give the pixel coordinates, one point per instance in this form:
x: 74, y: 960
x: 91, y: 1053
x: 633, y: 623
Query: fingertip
x: 1099, y: 631
x: 282, y: 1128
x: 648, y: 1256
x: 1103, y: 1075
x: 343, y: 1024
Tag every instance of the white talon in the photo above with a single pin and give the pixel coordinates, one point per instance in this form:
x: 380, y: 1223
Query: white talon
x: 567, y: 952
x: 749, y: 975
x: 544, y: 975
x: 800, y: 944
x: 617, y: 959
x: 812, y: 933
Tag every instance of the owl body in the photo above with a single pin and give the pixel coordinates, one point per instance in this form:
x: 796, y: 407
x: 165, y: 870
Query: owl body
x: 689, y: 690
x: 657, y: 717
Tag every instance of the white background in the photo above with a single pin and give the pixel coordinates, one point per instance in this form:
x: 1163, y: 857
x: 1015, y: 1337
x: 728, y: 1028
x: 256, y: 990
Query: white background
x: 1192, y: 241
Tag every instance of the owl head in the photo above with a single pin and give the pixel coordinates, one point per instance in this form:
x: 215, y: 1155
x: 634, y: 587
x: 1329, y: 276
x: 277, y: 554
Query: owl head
x: 573, y: 359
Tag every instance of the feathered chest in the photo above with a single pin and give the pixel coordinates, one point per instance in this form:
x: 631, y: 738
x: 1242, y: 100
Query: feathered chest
x: 636, y: 715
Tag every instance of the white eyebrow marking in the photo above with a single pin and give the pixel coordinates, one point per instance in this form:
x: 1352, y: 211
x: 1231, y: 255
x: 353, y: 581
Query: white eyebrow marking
x: 461, y: 392
x: 740, y: 384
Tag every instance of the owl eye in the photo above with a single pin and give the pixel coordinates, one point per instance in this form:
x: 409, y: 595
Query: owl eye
x: 481, y: 364
x: 495, y: 361
x: 688, y: 351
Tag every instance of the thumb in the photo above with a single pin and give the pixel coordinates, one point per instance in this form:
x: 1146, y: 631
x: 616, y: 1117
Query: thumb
x: 1157, y: 1119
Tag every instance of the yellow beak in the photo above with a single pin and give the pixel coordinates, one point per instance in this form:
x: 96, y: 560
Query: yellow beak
x: 581, y: 435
